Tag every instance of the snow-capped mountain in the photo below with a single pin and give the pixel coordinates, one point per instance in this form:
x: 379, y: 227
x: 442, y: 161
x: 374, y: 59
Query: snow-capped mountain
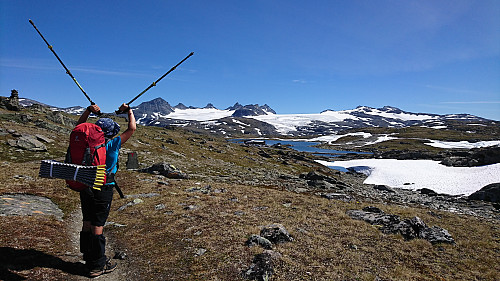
x: 263, y: 120
x: 331, y: 122
x: 159, y: 109
x: 70, y: 110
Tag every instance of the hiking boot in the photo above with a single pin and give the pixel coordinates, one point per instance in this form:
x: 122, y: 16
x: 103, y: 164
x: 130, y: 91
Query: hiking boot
x: 108, y: 267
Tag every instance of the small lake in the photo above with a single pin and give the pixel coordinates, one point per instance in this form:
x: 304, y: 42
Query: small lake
x: 305, y: 146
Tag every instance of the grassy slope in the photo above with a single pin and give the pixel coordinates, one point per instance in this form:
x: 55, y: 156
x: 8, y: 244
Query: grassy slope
x: 162, y: 242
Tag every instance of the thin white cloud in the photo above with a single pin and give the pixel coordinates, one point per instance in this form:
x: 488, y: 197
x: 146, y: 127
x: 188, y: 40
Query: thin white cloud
x: 42, y: 65
x: 454, y: 90
x: 471, y: 102
x: 108, y: 72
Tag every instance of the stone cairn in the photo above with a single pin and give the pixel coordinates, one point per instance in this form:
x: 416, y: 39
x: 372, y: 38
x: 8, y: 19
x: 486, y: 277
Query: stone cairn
x: 11, y: 103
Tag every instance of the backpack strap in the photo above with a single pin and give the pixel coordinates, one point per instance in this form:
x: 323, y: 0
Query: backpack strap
x: 119, y: 190
x: 96, y: 155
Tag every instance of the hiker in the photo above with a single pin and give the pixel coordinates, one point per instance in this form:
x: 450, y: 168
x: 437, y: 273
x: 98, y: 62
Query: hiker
x: 96, y: 203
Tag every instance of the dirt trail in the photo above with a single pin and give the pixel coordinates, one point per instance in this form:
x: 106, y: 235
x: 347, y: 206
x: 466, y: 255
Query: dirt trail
x: 73, y: 227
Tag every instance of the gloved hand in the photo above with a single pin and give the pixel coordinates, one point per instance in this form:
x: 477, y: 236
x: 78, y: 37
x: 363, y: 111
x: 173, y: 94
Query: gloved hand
x: 94, y: 108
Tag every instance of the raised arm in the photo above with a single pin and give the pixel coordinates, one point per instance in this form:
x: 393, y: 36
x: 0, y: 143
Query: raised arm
x: 131, y: 123
x: 85, y: 115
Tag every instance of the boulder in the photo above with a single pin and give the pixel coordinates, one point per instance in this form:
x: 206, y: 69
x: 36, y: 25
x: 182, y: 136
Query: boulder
x: 377, y: 218
x: 489, y: 193
x: 202, y: 189
x: 43, y: 138
x: 255, y: 240
x: 408, y: 228
x: 321, y: 184
x: 436, y: 235
x: 52, y: 127
x: 313, y: 175
x: 261, y: 269
x: 276, y: 233
x: 336, y: 196
x: 29, y: 143
x: 167, y: 170
x: 428, y: 192
x: 384, y: 188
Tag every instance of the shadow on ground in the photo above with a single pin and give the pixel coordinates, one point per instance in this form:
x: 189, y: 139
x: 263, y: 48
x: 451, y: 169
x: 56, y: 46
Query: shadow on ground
x: 25, y: 259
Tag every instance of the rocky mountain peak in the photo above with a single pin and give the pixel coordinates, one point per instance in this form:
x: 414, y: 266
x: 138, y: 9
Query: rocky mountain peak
x: 268, y: 109
x: 153, y: 109
x: 180, y: 106
x: 251, y: 110
x: 210, y: 106
x: 235, y: 106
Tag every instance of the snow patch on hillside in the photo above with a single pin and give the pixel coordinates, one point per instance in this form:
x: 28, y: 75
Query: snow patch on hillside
x: 285, y: 123
x: 462, y: 144
x: 199, y: 114
x: 418, y: 174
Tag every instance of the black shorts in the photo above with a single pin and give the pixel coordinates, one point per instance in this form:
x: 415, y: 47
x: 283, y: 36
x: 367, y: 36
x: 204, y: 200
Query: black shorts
x: 96, y: 204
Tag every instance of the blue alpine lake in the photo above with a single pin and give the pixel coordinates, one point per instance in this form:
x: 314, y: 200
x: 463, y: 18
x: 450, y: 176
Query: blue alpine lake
x: 306, y: 146
x: 303, y: 146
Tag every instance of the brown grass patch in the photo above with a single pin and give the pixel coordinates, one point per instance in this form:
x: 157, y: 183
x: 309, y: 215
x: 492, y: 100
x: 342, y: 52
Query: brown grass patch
x: 328, y: 244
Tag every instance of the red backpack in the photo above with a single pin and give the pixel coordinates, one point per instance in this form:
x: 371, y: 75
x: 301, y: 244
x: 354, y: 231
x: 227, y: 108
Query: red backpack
x: 87, y: 146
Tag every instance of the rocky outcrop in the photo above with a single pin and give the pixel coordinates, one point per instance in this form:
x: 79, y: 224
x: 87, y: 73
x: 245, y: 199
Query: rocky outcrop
x: 167, y: 170
x: 261, y: 269
x: 262, y: 266
x: 452, y: 157
x: 489, y: 193
x: 59, y: 118
x: 28, y: 205
x: 276, y: 233
x: 257, y: 240
x: 409, y: 228
x: 473, y: 157
x: 27, y: 142
x: 384, y: 188
x: 317, y: 180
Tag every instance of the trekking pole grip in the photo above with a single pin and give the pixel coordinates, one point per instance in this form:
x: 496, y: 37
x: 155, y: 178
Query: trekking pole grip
x: 98, y: 113
x: 118, y: 111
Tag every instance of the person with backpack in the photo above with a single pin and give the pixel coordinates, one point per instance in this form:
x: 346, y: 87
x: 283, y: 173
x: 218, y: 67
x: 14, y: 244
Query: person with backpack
x: 96, y: 202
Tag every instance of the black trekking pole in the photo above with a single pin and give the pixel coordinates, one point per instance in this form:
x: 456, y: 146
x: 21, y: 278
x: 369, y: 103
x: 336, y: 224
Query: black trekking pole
x: 67, y: 70
x: 154, y: 83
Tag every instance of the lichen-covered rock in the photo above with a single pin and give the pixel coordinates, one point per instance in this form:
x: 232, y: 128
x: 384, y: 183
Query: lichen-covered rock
x: 260, y: 241
x: 276, y: 233
x: 166, y: 170
x: 29, y: 143
x: 261, y: 269
x: 409, y: 228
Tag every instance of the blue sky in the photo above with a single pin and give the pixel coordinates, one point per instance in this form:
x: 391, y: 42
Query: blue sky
x: 297, y: 56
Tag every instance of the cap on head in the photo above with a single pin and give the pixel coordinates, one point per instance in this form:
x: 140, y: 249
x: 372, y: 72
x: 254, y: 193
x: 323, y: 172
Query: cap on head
x: 108, y: 126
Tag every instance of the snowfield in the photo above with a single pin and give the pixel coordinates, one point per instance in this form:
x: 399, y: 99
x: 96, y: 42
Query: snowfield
x: 417, y: 174
x: 400, y: 116
x: 462, y: 144
x: 200, y: 114
x: 332, y: 138
x: 285, y: 123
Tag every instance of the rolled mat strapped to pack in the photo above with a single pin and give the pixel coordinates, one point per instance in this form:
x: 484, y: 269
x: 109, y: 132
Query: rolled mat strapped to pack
x: 92, y: 176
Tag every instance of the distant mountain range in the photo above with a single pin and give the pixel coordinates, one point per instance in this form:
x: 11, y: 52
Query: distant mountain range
x: 158, y: 108
x: 263, y: 120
